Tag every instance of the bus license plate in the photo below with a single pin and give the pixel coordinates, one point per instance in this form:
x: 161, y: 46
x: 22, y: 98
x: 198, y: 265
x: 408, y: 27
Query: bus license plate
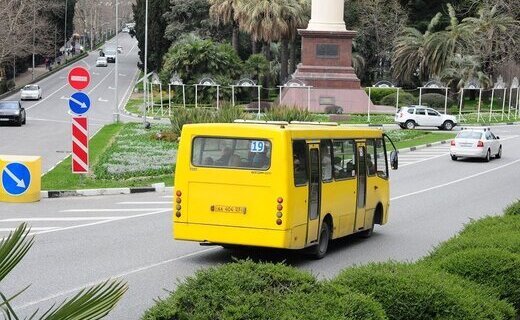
x: 228, y: 209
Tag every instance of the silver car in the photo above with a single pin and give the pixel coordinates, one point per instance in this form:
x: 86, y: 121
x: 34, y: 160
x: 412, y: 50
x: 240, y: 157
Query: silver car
x: 31, y: 92
x: 101, y: 62
x: 12, y: 111
x: 476, y: 143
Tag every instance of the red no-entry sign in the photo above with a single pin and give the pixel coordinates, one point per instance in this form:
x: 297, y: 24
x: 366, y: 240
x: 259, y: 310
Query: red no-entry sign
x: 79, y: 78
x: 80, y: 145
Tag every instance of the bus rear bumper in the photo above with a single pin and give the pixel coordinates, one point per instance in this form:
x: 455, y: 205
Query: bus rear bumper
x: 271, y: 238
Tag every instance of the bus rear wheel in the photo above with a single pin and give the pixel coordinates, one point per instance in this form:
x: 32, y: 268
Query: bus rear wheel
x: 320, y: 250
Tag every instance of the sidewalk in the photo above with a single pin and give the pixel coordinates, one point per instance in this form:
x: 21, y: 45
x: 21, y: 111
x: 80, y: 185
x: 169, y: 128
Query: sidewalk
x: 26, y: 77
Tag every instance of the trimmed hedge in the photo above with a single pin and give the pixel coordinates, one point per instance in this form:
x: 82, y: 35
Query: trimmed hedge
x: 377, y: 94
x: 495, y: 268
x: 242, y: 290
x: 408, y: 291
x: 436, y: 100
x: 405, y: 99
x: 513, y: 209
x: 330, y: 303
x: 285, y: 113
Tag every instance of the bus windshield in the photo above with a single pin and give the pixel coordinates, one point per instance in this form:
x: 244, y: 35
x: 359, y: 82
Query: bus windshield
x: 231, y: 153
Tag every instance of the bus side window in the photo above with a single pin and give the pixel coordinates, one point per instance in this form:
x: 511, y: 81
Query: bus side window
x: 299, y: 163
x: 371, y: 160
x: 381, y: 159
x: 326, y: 160
x: 344, y: 159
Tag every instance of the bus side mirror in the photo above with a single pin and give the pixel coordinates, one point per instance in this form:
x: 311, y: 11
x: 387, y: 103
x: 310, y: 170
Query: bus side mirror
x: 394, y: 160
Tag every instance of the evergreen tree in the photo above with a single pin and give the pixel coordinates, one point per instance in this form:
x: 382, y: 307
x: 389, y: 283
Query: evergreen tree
x: 157, y: 44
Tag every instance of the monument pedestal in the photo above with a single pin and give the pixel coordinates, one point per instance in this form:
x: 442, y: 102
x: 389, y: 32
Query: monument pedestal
x: 327, y: 67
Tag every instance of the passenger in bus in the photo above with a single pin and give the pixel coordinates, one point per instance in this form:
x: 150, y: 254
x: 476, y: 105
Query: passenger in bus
x: 260, y: 159
x: 226, y: 156
x: 235, y: 161
x: 208, y: 161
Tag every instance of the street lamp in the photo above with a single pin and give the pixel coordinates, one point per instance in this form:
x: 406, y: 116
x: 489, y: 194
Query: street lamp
x: 145, y: 80
x: 116, y: 75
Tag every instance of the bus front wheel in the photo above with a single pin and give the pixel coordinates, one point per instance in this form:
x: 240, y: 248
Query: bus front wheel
x: 320, y: 250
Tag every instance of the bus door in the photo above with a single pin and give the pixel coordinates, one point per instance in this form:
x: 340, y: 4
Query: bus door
x: 361, y: 187
x: 314, y: 198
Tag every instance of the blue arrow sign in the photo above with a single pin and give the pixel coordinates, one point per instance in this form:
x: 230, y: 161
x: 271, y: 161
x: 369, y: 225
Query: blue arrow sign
x: 16, y: 179
x: 79, y: 103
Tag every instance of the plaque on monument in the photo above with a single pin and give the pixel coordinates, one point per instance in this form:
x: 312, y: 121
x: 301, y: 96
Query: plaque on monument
x: 327, y: 50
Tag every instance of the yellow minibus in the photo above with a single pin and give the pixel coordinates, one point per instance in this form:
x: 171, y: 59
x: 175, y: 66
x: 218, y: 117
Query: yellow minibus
x: 280, y: 185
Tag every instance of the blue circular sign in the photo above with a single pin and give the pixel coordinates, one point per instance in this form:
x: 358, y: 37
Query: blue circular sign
x: 79, y: 103
x: 16, y: 178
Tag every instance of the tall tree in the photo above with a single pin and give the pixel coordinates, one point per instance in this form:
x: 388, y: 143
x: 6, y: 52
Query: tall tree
x: 223, y: 11
x: 409, y: 60
x: 157, y: 43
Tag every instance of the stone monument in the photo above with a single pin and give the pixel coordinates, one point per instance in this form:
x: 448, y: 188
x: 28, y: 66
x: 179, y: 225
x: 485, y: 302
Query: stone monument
x: 327, y: 63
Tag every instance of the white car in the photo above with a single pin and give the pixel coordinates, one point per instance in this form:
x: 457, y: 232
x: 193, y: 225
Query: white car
x: 414, y: 116
x: 101, y: 62
x: 125, y: 30
x: 31, y: 92
x: 476, y: 143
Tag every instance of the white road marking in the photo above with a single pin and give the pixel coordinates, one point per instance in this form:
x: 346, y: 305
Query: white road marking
x: 146, y: 202
x: 100, y: 82
x: 47, y: 120
x: 456, y: 181
x: 102, y: 100
x: 114, y: 210
x: 59, y: 219
x: 32, y: 229
x: 120, y: 275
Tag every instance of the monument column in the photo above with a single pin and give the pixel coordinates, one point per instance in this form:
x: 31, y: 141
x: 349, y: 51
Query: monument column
x: 326, y: 62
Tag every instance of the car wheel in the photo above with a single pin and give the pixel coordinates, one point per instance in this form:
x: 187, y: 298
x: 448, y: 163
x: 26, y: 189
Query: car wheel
x: 368, y: 232
x: 320, y: 250
x: 24, y: 119
x: 448, y: 125
x: 410, y: 124
x: 499, y: 154
x: 488, y: 156
x: 19, y: 122
x: 454, y: 158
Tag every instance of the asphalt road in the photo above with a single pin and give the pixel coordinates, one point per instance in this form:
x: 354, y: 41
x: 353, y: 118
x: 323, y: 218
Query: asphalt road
x: 48, y: 130
x: 83, y: 241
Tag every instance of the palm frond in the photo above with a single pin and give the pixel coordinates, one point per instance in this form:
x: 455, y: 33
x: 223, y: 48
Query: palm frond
x: 14, y: 248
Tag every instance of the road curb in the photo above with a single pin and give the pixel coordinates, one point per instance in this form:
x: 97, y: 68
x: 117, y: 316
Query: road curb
x: 52, y: 194
x: 424, y: 146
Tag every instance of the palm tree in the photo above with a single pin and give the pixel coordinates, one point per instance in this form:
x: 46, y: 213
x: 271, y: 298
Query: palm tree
x: 463, y: 69
x: 272, y: 20
x: 224, y: 12
x: 496, y: 32
x: 442, y: 45
x: 88, y: 304
x: 411, y: 53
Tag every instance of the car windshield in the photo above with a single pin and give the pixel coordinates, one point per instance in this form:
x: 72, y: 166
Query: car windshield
x: 469, y: 135
x: 9, y: 105
x: 110, y: 51
x: 31, y: 88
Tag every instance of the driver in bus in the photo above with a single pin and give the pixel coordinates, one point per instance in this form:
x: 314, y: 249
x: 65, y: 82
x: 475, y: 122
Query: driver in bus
x: 226, y: 156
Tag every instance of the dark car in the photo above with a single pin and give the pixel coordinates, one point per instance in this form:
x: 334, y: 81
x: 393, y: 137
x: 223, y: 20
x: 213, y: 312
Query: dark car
x: 12, y: 111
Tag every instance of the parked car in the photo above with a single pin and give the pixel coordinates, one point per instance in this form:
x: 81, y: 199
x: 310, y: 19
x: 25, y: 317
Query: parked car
x: 476, y: 143
x: 31, y: 92
x: 12, y: 111
x: 101, y: 62
x: 413, y: 116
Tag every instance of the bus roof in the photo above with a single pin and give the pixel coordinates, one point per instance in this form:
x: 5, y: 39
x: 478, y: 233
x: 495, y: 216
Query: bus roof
x: 310, y: 130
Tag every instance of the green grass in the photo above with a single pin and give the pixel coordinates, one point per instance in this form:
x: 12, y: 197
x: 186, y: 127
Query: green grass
x: 424, y: 138
x: 61, y: 177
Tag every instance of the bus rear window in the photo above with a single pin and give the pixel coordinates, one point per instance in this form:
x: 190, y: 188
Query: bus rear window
x: 231, y: 153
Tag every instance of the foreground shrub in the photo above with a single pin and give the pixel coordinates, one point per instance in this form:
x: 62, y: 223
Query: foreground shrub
x: 228, y: 113
x: 496, y: 268
x: 243, y: 290
x: 513, y: 209
x: 284, y: 113
x: 184, y: 116
x: 501, y: 232
x: 418, y: 292
x: 377, y: 94
x: 328, y: 302
x: 436, y: 100
x: 405, y: 99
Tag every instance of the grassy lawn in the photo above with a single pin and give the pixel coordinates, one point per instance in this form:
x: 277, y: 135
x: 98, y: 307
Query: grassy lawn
x: 412, y: 138
x: 116, y: 160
